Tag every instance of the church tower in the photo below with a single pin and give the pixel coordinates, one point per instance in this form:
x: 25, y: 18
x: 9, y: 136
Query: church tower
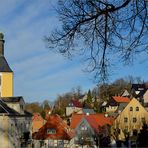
x: 6, y: 74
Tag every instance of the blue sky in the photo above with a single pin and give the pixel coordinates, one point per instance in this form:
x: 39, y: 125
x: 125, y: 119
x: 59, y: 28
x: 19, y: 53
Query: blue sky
x: 39, y: 73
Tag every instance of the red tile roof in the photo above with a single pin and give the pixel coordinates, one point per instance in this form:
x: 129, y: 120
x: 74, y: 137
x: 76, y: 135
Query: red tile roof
x: 95, y: 120
x: 37, y: 117
x: 93, y: 123
x: 77, y: 103
x: 63, y: 131
x: 121, y: 99
x: 75, y: 120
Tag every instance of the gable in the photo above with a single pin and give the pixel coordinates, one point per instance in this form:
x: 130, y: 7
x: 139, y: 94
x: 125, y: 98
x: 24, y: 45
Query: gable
x: 134, y: 103
x: 55, y: 128
x: 145, y: 97
x: 84, y: 124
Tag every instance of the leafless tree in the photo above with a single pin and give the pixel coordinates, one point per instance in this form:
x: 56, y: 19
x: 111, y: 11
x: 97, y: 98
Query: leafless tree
x: 101, y: 31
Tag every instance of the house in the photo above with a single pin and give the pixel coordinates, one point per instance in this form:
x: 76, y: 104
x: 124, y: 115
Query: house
x: 145, y: 99
x: 83, y: 98
x: 74, y: 106
x: 114, y: 103
x: 15, y: 120
x: 54, y: 133
x: 15, y: 125
x: 125, y: 93
x: 129, y: 120
x: 138, y: 90
x: 37, y: 122
x: 89, y: 127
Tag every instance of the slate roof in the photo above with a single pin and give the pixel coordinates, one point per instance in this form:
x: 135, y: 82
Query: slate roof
x: 138, y: 87
x: 87, y: 110
x: 99, y: 119
x: 4, y: 67
x: 28, y: 114
x: 122, y: 106
x: 12, y: 99
x: 4, y: 109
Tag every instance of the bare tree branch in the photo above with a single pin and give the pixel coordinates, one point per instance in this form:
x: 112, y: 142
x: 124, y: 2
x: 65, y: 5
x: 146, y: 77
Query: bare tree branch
x: 100, y: 29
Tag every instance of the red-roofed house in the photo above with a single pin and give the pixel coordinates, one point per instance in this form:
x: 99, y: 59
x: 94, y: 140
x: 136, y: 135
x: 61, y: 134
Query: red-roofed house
x: 74, y: 107
x: 114, y: 103
x: 89, y: 127
x: 120, y: 99
x: 55, y: 133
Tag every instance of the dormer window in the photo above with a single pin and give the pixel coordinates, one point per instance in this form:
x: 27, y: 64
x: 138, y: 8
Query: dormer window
x: 51, y: 131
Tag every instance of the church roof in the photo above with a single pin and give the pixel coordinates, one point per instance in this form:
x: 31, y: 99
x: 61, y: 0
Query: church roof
x: 4, y: 67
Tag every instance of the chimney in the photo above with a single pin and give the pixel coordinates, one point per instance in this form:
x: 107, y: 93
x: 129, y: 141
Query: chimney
x: 2, y: 41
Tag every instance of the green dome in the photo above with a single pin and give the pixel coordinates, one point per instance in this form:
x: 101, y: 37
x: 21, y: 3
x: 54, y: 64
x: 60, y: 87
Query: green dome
x: 1, y: 36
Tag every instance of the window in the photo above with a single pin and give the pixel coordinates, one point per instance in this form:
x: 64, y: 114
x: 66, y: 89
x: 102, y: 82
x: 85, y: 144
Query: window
x: 83, y: 128
x: 51, y: 143
x: 131, y: 108
x: 60, y: 143
x: 134, y: 120
x: 51, y: 131
x: 41, y: 143
x: 137, y: 108
x: 125, y: 120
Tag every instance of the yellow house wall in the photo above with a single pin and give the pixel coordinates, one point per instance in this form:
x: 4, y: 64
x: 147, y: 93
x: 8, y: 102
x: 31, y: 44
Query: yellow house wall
x: 7, y: 84
x: 119, y: 121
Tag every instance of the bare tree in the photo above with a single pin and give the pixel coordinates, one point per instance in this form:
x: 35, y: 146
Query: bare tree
x: 99, y: 29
